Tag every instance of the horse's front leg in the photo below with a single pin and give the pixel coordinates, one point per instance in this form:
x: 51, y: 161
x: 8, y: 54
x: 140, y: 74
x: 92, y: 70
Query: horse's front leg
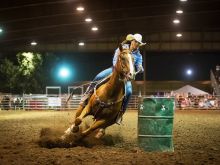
x: 83, y: 114
x: 75, y: 126
x: 78, y: 112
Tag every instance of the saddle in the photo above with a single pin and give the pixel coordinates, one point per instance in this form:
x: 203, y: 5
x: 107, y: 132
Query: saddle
x: 90, y: 90
x: 93, y: 87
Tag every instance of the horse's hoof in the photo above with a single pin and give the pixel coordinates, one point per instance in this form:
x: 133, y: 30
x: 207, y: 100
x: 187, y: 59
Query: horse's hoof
x: 68, y: 131
x: 64, y: 137
x: 100, y: 134
x: 75, y: 129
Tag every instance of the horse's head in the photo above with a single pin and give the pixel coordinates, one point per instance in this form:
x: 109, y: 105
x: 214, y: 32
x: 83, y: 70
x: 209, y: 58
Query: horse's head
x: 125, y: 64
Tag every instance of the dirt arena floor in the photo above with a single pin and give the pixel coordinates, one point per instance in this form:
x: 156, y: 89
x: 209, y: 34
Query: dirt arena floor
x: 196, y: 141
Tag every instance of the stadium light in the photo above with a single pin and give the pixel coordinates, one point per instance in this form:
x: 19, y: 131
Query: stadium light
x: 183, y: 0
x: 33, y: 43
x: 81, y: 44
x: 94, y: 28
x: 1, y: 30
x: 88, y: 20
x: 176, y: 21
x: 189, y: 72
x: 179, y: 35
x: 179, y: 12
x: 80, y: 8
x: 64, y: 72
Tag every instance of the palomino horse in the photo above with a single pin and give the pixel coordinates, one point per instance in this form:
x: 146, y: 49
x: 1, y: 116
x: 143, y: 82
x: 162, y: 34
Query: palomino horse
x: 106, y: 102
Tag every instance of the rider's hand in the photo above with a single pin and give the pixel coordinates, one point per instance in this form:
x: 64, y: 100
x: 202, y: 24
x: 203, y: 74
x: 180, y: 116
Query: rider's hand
x: 140, y: 69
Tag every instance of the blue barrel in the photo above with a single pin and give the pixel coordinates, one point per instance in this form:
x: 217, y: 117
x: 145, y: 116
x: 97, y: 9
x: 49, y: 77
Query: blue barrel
x: 155, y: 124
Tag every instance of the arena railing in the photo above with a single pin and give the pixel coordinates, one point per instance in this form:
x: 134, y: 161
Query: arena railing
x: 58, y: 102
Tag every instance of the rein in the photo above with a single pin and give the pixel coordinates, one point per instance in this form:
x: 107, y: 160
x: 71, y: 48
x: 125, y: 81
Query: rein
x: 107, y: 104
x: 77, y: 87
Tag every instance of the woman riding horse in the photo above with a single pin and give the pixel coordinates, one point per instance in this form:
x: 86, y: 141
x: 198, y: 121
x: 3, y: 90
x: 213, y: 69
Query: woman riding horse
x: 102, y: 105
x: 132, y: 43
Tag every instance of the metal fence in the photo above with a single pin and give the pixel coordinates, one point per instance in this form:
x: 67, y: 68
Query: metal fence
x: 46, y: 102
x: 58, y: 102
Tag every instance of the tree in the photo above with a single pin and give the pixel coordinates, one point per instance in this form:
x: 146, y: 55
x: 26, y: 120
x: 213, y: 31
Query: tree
x: 8, y: 75
x: 21, y: 78
x: 30, y: 74
x: 29, y: 63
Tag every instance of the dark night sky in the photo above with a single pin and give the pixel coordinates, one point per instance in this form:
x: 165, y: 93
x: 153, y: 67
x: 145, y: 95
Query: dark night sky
x: 172, y: 66
x: 159, y: 66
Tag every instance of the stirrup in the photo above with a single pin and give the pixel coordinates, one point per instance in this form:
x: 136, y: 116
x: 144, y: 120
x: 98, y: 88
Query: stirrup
x: 119, y: 118
x: 86, y: 96
x: 85, y: 99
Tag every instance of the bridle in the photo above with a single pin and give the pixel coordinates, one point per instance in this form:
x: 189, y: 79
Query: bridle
x: 123, y: 76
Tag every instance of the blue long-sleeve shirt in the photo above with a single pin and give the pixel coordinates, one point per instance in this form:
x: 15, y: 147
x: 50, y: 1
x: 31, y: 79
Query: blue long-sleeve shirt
x: 136, y: 55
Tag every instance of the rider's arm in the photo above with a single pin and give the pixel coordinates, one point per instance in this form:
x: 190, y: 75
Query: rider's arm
x: 115, y: 56
x: 138, y: 64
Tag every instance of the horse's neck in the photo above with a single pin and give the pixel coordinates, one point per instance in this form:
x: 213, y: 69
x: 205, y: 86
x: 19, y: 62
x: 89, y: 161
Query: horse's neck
x: 115, y: 85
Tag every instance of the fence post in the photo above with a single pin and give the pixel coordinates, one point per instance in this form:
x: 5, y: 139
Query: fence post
x: 135, y: 101
x: 23, y: 101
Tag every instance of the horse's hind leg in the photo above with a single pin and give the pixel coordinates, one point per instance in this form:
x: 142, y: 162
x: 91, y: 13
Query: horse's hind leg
x: 101, y: 131
x: 97, y: 124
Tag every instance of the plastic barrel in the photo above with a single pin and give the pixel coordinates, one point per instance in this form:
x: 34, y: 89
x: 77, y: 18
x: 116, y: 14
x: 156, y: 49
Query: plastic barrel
x: 155, y: 124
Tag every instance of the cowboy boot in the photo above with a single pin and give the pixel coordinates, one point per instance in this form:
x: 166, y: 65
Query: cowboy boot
x: 119, y: 117
x: 85, y: 99
x: 121, y: 113
x: 87, y: 94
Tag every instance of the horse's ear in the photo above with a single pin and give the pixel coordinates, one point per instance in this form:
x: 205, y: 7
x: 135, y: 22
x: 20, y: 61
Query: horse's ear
x: 120, y: 47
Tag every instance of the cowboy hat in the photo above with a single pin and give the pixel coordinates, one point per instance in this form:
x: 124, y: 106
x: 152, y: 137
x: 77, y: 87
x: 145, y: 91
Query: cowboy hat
x: 137, y: 37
